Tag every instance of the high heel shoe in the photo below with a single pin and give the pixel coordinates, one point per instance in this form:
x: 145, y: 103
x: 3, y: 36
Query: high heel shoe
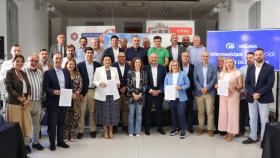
x: 226, y: 136
x: 111, y: 134
x: 229, y: 138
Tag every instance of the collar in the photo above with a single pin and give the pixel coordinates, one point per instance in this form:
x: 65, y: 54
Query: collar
x: 259, y: 65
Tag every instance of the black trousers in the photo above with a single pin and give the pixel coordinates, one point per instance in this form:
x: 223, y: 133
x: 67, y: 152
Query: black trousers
x: 216, y: 111
x: 158, y: 101
x: 189, y: 111
x: 56, y: 120
x: 243, y: 115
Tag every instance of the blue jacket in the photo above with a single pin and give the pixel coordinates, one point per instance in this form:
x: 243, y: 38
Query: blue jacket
x: 198, y: 79
x: 182, y: 81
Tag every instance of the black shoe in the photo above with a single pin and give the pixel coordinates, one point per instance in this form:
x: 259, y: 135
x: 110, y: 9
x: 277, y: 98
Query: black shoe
x: 92, y: 134
x: 190, y: 130
x: 52, y: 147
x: 80, y: 135
x: 261, y: 144
x: 38, y: 146
x: 63, y: 145
x: 249, y: 141
x: 161, y: 131
x: 173, y: 132
x: 222, y: 133
x: 216, y: 132
x: 182, y: 135
x: 147, y: 132
x: 115, y: 129
x: 125, y: 129
x: 28, y: 149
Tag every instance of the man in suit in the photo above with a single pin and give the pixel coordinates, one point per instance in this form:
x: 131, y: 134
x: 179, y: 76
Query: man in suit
x: 44, y: 63
x: 123, y: 68
x: 114, y: 50
x: 175, y: 50
x: 136, y: 51
x: 58, y: 47
x: 87, y: 69
x: 259, y: 83
x: 189, y: 68
x: 205, y: 78
x: 54, y: 80
x: 155, y: 92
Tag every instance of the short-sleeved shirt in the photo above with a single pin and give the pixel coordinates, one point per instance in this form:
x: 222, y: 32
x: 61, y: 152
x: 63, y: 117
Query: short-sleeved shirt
x: 161, y: 52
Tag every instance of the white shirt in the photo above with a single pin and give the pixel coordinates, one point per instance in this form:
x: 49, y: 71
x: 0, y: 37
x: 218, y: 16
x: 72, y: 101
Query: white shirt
x: 24, y: 87
x: 137, y: 79
x: 60, y: 76
x: 204, y: 69
x: 174, y: 51
x: 186, y: 68
x: 45, y: 67
x: 90, y: 73
x: 174, y: 82
x: 122, y: 68
x: 116, y: 53
x: 154, y: 73
x: 64, y: 61
x: 257, y: 72
x: 7, y: 65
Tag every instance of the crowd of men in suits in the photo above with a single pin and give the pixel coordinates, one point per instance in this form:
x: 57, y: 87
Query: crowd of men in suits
x: 193, y: 59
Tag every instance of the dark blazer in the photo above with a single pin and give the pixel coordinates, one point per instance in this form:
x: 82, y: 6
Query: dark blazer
x: 83, y: 71
x: 124, y: 77
x: 190, y: 75
x: 131, y: 86
x: 264, y: 84
x: 181, y: 49
x: 109, y: 51
x: 14, y: 86
x: 161, y: 72
x: 54, y: 49
x: 51, y: 83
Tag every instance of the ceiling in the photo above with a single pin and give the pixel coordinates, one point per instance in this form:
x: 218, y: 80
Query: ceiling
x: 188, y: 9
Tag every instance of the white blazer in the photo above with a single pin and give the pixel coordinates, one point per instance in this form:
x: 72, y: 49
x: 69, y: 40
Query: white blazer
x: 100, y: 76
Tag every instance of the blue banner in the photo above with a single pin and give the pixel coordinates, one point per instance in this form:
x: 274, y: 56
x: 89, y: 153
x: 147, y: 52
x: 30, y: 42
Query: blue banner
x: 237, y: 44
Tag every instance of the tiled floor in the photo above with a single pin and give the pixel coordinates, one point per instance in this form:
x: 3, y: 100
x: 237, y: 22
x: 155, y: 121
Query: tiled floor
x: 153, y: 146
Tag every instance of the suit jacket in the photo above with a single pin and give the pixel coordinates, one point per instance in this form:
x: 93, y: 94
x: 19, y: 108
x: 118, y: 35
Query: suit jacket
x: 83, y: 71
x: 199, y: 80
x: 40, y: 66
x: 131, y: 86
x: 181, y: 49
x: 123, y: 79
x: 14, y: 86
x: 54, y: 49
x: 182, y: 81
x: 109, y: 51
x: 190, y: 75
x: 101, y: 76
x: 161, y: 72
x: 264, y: 83
x: 51, y: 83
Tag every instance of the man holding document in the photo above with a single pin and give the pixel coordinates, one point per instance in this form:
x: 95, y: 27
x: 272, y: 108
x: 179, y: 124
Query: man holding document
x: 55, y: 80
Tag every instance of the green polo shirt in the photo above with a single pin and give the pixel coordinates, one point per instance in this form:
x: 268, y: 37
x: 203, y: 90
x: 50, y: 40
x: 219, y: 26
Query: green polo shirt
x: 161, y: 52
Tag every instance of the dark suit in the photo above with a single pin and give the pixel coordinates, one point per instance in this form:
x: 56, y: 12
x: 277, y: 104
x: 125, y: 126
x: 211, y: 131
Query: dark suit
x: 123, y: 78
x: 181, y: 49
x: 189, y: 107
x: 83, y: 71
x: 56, y: 114
x: 109, y: 51
x: 157, y: 100
x: 264, y: 84
x: 55, y: 48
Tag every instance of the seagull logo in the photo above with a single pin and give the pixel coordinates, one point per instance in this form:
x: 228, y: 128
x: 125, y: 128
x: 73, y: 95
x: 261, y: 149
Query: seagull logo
x: 230, y: 45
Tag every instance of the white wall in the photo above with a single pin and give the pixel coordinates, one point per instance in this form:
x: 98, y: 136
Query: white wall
x: 270, y: 14
x: 3, y: 23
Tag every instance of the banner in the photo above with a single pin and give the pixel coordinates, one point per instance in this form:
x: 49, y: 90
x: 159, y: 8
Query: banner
x: 237, y: 44
x: 74, y: 33
x: 179, y: 27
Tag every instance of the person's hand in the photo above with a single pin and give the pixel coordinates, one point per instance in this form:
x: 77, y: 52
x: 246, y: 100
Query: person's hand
x: 204, y: 90
x: 81, y: 98
x: 135, y: 97
x: 122, y: 90
x: 178, y: 88
x: 244, y: 93
x: 256, y: 96
x: 103, y: 84
x: 216, y: 86
x: 118, y: 84
x: 56, y: 92
x: 25, y: 103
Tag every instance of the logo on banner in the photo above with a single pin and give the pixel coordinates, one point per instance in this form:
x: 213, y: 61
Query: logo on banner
x: 230, y: 45
x: 74, y: 36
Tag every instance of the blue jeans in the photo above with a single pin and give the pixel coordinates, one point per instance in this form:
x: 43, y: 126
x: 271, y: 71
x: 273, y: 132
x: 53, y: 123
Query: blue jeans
x: 177, y: 110
x: 138, y: 118
x: 256, y: 108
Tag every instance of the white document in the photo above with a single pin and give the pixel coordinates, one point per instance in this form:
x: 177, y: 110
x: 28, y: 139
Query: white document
x: 65, y: 99
x: 170, y: 92
x: 223, y: 87
x: 111, y: 88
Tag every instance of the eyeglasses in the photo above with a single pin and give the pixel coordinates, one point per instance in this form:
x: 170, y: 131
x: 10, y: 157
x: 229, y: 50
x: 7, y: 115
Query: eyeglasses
x: 174, y: 65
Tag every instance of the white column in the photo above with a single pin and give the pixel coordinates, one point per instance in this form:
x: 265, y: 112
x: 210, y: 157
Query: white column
x: 270, y: 14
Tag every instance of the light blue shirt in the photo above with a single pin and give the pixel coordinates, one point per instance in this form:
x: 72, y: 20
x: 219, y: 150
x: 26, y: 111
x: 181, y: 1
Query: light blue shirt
x: 204, y: 69
x: 60, y: 76
x: 186, y: 68
x: 80, y: 55
x: 195, y: 54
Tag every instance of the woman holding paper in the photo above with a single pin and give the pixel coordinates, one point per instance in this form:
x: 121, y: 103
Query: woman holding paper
x: 19, y: 91
x: 229, y: 103
x: 73, y: 114
x: 136, y: 87
x: 177, y: 81
x: 106, y: 80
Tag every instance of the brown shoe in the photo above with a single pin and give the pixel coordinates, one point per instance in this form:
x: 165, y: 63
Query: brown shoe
x: 226, y: 136
x: 210, y: 133
x: 199, y: 132
x: 106, y: 135
x: 229, y: 138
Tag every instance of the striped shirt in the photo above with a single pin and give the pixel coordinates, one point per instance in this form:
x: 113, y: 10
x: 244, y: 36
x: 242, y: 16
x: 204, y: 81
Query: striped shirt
x: 35, y: 78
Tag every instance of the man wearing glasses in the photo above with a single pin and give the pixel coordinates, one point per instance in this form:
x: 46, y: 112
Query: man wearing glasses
x: 35, y: 77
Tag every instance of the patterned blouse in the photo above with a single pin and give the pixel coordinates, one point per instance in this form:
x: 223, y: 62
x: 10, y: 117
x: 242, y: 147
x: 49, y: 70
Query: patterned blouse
x: 131, y: 86
x: 77, y: 84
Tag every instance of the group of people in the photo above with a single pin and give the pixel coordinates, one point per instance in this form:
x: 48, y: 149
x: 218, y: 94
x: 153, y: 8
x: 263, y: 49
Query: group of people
x: 141, y: 75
